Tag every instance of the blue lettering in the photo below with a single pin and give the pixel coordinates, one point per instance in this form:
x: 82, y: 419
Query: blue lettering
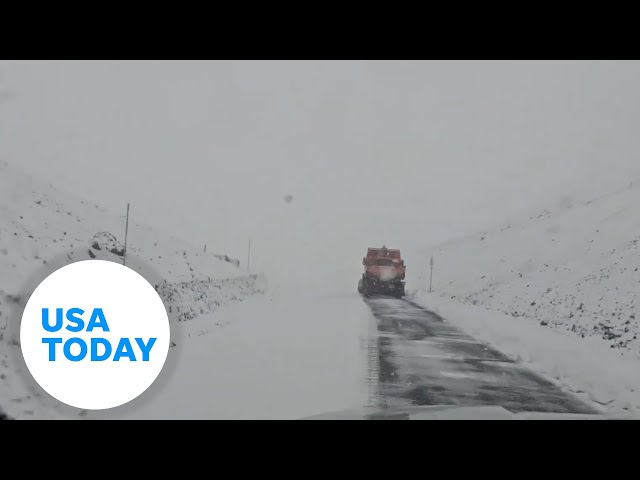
x: 67, y: 349
x: 45, y: 320
x: 124, y: 349
x: 98, y: 321
x: 77, y: 320
x: 145, y: 349
x: 94, y: 349
x: 52, y: 347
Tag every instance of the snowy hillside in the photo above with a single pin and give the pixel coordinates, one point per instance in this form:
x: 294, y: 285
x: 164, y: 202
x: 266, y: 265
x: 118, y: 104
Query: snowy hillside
x: 43, y: 228
x: 575, y: 268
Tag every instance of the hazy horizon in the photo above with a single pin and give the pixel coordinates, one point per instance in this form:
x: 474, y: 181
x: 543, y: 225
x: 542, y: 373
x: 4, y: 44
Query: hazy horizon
x: 405, y: 153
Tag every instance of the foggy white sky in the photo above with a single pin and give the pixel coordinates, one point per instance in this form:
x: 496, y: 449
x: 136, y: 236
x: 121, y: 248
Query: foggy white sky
x: 405, y: 153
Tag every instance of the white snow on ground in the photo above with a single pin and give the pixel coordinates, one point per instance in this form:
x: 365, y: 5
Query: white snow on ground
x: 43, y: 228
x: 285, y: 355
x: 573, y: 268
x: 586, y: 367
x: 557, y: 290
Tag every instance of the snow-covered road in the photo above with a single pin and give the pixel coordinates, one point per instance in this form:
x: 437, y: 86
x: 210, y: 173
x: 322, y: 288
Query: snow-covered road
x: 280, y: 356
x: 286, y: 356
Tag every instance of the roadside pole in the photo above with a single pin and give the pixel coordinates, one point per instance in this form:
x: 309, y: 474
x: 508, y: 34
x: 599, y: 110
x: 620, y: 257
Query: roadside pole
x: 126, y: 232
x: 431, y: 275
x: 249, y: 255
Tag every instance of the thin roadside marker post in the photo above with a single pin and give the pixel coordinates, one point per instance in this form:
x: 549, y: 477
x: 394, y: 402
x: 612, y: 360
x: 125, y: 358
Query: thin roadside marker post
x: 249, y: 255
x: 431, y: 275
x: 126, y: 232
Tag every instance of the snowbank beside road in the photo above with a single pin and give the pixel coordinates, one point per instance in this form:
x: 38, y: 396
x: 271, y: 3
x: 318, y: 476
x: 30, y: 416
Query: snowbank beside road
x: 586, y: 367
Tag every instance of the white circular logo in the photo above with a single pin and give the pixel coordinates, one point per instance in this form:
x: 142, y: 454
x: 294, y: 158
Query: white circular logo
x: 95, y: 334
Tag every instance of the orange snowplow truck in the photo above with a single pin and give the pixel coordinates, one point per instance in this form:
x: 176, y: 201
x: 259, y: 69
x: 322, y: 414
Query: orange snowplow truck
x: 384, y: 273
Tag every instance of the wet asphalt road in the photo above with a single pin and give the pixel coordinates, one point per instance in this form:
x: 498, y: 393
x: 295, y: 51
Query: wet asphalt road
x: 423, y: 360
